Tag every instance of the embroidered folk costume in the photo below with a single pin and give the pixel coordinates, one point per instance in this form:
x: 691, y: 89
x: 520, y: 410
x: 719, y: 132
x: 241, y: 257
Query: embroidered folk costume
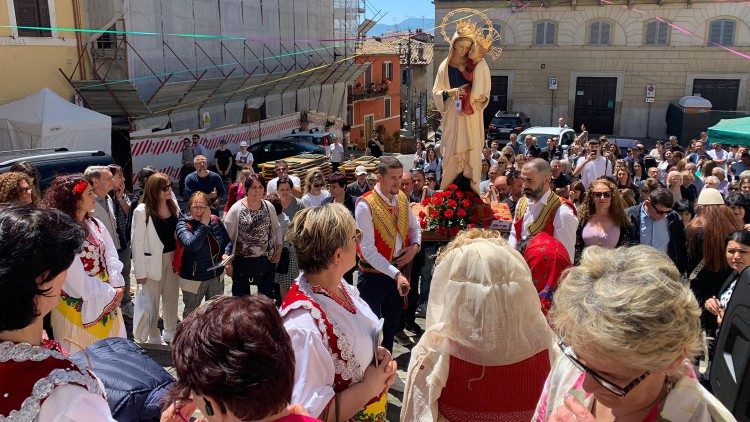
x: 385, y: 226
x: 333, y: 339
x: 88, y: 291
x: 549, y: 214
x: 47, y: 386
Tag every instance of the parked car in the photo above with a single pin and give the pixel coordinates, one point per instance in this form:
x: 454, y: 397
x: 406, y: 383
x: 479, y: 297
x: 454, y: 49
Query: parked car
x: 276, y: 149
x: 543, y: 133
x: 314, y: 136
x: 53, y: 162
x: 506, y: 122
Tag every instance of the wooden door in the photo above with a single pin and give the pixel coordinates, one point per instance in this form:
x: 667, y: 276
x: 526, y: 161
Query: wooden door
x: 595, y: 104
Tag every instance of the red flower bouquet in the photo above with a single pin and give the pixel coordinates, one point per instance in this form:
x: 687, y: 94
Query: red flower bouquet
x: 453, y: 210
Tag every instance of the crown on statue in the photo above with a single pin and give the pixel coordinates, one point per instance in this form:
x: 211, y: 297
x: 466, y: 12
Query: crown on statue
x: 466, y: 28
x: 485, y: 37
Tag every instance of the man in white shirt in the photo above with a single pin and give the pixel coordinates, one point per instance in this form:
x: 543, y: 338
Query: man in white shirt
x: 593, y: 165
x: 385, y: 249
x: 282, y: 170
x: 535, y: 209
x: 336, y: 152
x: 718, y: 155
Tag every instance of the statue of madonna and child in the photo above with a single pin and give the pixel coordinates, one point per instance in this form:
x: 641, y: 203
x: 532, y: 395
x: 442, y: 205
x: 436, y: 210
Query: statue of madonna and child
x: 461, y: 93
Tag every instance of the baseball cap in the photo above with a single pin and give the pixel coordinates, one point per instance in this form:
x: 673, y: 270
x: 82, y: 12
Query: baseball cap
x: 710, y: 196
x: 360, y: 170
x: 243, y: 144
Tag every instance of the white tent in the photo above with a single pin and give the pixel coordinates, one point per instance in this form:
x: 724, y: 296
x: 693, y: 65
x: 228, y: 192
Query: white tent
x: 45, y: 120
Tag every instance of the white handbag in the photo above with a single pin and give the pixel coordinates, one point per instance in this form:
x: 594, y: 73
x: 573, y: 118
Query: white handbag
x: 142, y: 315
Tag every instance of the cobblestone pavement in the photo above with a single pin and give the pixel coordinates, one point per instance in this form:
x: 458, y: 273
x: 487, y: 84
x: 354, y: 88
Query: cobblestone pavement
x: 162, y: 354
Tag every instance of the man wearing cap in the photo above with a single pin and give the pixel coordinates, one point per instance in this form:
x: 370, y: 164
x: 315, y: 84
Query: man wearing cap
x: 658, y: 226
x: 223, y: 161
x: 244, y: 158
x: 358, y: 187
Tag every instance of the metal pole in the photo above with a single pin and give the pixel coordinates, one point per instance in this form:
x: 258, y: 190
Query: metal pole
x: 552, y: 108
x: 648, y: 120
x: 409, y: 104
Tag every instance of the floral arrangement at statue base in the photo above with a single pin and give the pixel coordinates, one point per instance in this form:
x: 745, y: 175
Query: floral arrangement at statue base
x: 452, y: 210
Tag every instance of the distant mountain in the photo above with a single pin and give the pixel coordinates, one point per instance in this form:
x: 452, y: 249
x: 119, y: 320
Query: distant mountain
x: 426, y: 24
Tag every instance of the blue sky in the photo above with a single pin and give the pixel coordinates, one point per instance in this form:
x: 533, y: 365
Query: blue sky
x: 401, y: 9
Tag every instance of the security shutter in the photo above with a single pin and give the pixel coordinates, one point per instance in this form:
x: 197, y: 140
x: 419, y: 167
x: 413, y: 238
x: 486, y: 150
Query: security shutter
x: 34, y: 13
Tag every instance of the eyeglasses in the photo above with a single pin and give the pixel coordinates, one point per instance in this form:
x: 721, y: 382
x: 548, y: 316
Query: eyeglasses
x: 601, y: 195
x: 610, y: 386
x: 660, y: 212
x: 357, y: 236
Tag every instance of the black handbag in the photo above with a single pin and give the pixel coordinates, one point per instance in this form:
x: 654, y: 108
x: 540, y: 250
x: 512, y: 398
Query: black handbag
x: 283, y: 265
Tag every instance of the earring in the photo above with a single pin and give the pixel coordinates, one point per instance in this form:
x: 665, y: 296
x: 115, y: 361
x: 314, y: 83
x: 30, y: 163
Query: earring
x: 209, y: 408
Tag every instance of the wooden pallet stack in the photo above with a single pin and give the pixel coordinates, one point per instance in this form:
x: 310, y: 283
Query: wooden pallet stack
x: 299, y: 165
x: 370, y: 163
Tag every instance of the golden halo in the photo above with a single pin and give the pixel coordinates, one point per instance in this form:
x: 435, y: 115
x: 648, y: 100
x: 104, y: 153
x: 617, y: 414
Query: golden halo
x: 471, y: 12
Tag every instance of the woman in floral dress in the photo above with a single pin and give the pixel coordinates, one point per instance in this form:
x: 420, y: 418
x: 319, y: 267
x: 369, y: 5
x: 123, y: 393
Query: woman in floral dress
x: 88, y: 310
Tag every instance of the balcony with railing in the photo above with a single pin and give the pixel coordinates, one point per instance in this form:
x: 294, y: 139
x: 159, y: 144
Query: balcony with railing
x: 358, y: 92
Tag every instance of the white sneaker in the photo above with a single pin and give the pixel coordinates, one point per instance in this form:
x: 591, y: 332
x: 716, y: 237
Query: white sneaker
x: 167, y: 336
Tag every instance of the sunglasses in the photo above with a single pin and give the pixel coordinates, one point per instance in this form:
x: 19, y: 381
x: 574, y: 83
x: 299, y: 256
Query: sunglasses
x: 601, y: 195
x: 658, y: 211
x: 357, y: 236
x: 609, y: 385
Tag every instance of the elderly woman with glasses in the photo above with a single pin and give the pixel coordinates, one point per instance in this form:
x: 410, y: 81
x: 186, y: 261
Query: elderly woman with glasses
x: 628, y: 329
x: 341, y: 372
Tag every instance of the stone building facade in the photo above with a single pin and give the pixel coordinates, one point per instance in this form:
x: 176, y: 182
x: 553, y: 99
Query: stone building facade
x: 604, y: 55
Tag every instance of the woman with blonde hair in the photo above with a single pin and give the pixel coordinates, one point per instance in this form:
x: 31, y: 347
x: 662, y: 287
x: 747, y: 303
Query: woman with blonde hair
x: 16, y: 187
x: 153, y: 243
x: 315, y: 192
x: 341, y: 372
x: 88, y: 310
x: 602, y: 218
x: 629, y: 330
x: 674, y: 184
x: 486, y: 349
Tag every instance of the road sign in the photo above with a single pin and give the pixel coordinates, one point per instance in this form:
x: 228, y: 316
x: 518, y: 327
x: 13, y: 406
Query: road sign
x: 552, y: 83
x: 649, y: 100
x: 650, y: 91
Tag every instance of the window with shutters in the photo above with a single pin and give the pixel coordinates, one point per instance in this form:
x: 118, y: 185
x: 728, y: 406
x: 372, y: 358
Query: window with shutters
x: 721, y: 32
x: 657, y: 33
x: 388, y: 71
x: 545, y: 33
x: 600, y: 33
x: 387, y: 107
x: 32, y: 14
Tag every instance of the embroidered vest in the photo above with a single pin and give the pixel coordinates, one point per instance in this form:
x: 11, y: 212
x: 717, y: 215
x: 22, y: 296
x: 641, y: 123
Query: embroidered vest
x: 348, y: 370
x: 544, y: 222
x: 93, y: 258
x: 386, y: 223
x: 36, y: 372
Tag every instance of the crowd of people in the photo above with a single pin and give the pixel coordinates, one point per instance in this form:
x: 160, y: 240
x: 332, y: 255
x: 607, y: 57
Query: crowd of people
x: 593, y: 307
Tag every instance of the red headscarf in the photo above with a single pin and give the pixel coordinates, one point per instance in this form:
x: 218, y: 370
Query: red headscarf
x: 547, y: 259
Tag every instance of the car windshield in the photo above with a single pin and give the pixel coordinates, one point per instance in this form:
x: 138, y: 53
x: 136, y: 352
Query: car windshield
x: 505, y: 121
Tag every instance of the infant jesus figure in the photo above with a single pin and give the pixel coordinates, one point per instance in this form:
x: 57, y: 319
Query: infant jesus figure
x: 475, y: 69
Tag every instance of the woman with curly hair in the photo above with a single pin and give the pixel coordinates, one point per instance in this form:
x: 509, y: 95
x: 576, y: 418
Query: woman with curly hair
x: 602, y: 218
x: 16, y: 187
x: 707, y: 263
x: 30, y: 170
x: 88, y: 310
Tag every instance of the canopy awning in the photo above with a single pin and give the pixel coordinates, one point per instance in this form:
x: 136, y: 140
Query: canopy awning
x: 731, y: 131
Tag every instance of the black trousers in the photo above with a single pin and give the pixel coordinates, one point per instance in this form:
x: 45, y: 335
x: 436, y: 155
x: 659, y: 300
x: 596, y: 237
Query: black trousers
x: 253, y: 270
x: 381, y: 293
x: 409, y: 316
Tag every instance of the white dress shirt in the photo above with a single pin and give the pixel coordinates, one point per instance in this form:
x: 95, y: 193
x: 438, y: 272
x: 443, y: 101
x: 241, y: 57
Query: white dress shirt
x: 363, y: 215
x: 594, y: 170
x: 565, y: 224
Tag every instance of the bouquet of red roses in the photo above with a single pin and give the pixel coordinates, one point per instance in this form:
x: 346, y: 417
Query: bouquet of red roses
x: 452, y: 210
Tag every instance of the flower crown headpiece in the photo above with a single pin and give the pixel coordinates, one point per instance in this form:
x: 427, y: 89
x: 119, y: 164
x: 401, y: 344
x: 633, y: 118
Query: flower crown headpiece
x: 80, y: 187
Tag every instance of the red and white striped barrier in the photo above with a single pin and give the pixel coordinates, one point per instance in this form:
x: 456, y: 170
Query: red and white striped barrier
x: 165, y: 151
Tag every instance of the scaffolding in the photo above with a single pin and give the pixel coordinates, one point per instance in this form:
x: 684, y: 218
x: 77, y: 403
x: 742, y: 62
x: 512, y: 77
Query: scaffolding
x: 278, y: 53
